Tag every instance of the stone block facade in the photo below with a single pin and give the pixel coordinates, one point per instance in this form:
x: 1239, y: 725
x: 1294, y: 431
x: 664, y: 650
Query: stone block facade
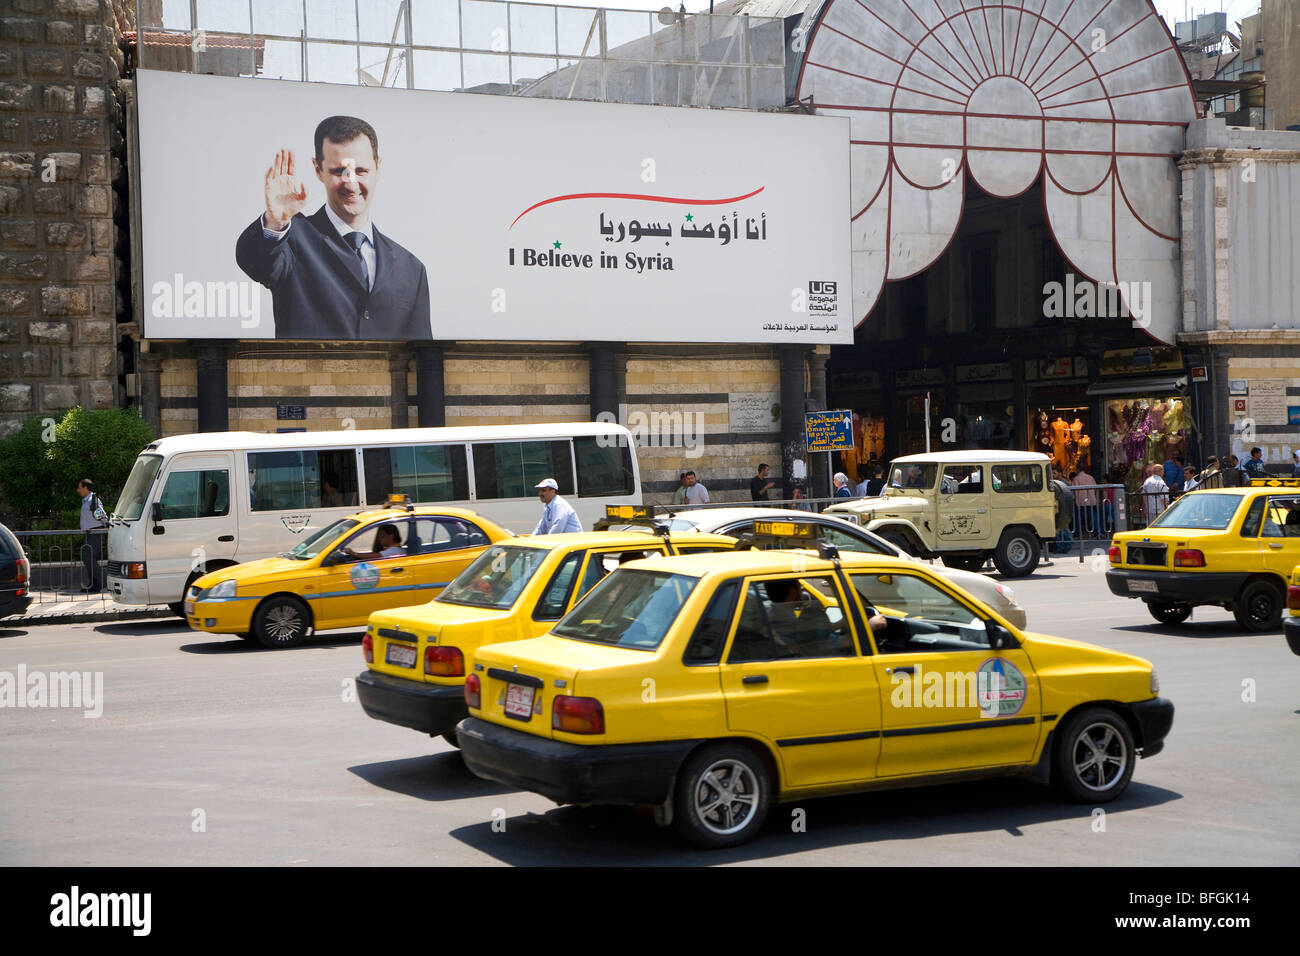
x: 62, y: 275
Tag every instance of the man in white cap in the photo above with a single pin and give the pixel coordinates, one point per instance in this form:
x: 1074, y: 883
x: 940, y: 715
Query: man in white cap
x: 558, y: 516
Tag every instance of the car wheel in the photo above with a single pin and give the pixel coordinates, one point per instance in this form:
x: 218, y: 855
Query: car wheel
x: 962, y: 563
x: 1170, y: 614
x: 282, y: 621
x: 452, y: 739
x: 1095, y: 755
x: 246, y: 636
x: 1258, y: 607
x: 1017, y: 553
x: 723, y: 792
x: 897, y: 541
x: 179, y: 610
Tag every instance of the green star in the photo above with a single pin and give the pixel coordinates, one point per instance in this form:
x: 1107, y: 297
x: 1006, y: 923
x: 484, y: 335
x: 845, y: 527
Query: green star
x: 557, y: 243
x: 689, y: 217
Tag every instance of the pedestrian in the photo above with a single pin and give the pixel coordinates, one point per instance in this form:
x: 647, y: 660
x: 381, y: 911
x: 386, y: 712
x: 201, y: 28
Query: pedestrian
x: 799, y: 499
x: 1190, y: 479
x: 841, y: 481
x: 1155, y: 492
x: 1295, y: 464
x: 94, y: 519
x: 877, y: 483
x: 1173, y: 472
x: 679, y: 496
x: 1210, y: 476
x: 1086, y: 500
x: 761, y: 484
x: 558, y: 517
x: 860, y: 489
x: 1254, y: 466
x: 696, y: 493
x: 1234, y: 476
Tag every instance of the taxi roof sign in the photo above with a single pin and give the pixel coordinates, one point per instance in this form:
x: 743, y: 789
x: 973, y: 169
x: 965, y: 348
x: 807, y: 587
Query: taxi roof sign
x: 784, y: 529
x: 397, y: 501
x: 629, y: 512
x: 1275, y: 482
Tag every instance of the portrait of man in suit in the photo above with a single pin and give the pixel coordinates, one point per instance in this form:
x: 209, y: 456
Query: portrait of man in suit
x: 332, y: 274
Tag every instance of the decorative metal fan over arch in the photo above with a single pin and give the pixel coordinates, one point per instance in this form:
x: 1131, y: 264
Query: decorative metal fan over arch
x: 1090, y: 94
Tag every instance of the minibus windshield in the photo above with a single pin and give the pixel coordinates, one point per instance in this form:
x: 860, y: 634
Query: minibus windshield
x: 130, y: 504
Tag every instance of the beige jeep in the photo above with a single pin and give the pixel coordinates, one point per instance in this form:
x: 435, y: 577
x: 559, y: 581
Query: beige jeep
x: 964, y: 507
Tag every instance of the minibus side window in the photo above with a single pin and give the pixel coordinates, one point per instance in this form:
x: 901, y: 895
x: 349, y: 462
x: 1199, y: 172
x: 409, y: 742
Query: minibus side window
x: 292, y: 480
x: 196, y: 494
x: 424, y: 473
x: 604, y: 465
x: 512, y: 469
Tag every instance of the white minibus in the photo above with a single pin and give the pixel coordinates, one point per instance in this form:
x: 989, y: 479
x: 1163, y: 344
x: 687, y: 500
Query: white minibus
x: 196, y: 503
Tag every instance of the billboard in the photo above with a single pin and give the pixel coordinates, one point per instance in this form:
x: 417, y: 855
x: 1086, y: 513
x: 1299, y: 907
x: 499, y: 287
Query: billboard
x: 320, y: 212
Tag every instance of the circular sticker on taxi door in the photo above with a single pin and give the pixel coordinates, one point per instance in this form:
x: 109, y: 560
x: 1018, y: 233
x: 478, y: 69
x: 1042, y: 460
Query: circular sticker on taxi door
x: 1001, y: 688
x: 364, y: 575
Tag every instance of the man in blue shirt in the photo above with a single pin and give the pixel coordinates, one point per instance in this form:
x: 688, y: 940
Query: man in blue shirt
x: 1174, y: 473
x: 558, y: 516
x: 1255, y: 464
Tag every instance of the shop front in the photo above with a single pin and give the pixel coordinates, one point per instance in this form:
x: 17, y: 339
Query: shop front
x: 1147, y: 417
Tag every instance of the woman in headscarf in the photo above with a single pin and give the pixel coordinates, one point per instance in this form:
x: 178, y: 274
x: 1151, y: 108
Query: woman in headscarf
x: 842, y: 485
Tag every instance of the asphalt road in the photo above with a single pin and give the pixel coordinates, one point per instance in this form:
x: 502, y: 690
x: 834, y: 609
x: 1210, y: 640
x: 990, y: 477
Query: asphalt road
x: 214, y: 752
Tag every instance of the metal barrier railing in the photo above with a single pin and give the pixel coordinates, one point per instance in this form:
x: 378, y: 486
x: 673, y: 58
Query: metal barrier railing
x: 65, y: 565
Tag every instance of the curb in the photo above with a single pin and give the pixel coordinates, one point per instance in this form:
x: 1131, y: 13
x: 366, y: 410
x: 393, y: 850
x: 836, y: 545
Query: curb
x: 90, y: 617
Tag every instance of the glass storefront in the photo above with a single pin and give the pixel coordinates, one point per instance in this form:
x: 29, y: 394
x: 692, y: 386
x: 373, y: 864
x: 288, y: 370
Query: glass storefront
x: 1141, y: 430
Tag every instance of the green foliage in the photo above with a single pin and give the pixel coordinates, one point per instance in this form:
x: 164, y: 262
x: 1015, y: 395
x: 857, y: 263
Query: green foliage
x: 41, y: 464
x: 26, y: 478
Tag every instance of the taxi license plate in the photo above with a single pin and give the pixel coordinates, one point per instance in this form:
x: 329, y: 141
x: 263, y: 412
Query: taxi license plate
x: 189, y: 607
x: 519, y: 701
x: 400, y: 655
x: 1145, y: 587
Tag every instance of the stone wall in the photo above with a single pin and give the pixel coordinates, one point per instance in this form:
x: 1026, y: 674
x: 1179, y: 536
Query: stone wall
x: 61, y: 185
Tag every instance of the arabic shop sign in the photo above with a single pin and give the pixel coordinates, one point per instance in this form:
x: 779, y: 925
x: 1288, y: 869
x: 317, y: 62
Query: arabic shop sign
x: 494, y: 218
x: 988, y: 372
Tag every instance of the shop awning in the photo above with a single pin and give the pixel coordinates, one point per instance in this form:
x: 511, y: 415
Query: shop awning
x: 1155, y: 385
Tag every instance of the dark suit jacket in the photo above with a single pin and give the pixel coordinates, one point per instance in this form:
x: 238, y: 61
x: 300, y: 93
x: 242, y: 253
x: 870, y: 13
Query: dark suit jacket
x: 317, y: 286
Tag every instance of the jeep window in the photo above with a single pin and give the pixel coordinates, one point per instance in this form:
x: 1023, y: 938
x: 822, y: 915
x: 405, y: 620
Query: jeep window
x: 963, y: 480
x: 1017, y: 479
x: 1209, y: 512
x: 912, y: 477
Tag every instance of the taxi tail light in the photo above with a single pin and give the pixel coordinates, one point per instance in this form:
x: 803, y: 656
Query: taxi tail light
x: 577, y: 715
x: 368, y: 648
x: 444, y: 662
x: 1189, y: 558
x: 1293, y: 597
x: 1114, y: 554
x: 472, y: 688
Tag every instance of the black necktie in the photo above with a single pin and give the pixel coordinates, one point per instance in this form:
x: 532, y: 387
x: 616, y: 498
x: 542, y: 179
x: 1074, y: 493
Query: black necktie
x: 358, y: 242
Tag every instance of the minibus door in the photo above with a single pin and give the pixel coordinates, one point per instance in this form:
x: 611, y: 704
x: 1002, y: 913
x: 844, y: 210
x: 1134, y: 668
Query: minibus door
x: 190, y: 522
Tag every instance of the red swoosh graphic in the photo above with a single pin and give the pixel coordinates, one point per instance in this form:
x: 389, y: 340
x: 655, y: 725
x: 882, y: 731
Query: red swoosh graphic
x: 688, y: 202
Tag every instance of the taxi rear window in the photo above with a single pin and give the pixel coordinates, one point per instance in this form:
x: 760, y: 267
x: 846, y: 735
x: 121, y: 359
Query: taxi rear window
x: 1209, y: 512
x: 629, y: 608
x: 496, y: 577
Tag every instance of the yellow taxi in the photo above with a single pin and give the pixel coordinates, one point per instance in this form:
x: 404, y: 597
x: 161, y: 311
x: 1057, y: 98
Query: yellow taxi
x: 1231, y: 547
x: 711, y: 687
x: 1291, y: 626
x: 391, y: 557
x: 416, y: 657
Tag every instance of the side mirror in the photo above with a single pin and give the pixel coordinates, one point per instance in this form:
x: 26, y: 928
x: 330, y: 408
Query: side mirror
x: 333, y: 558
x: 156, y: 513
x: 1000, y: 639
